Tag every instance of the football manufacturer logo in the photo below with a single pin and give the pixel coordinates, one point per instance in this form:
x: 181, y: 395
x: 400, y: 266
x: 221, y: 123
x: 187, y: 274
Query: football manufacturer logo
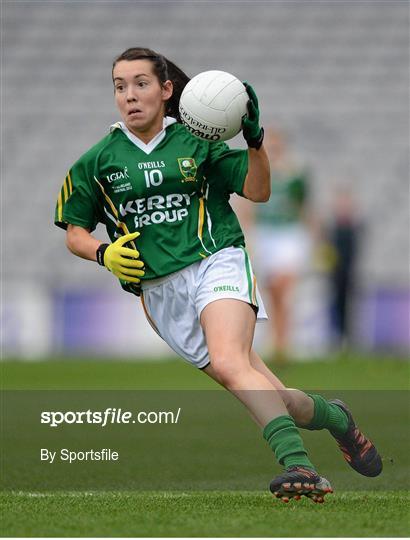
x: 188, y: 169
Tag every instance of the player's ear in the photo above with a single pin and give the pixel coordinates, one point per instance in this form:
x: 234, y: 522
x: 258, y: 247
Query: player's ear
x: 167, y: 90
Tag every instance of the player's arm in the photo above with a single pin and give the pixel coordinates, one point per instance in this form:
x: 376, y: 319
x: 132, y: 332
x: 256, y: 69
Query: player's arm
x: 81, y: 242
x: 122, y: 261
x: 257, y: 186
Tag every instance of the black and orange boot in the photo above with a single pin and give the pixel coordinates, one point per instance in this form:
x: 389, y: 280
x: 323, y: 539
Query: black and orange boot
x: 359, y: 452
x: 298, y: 481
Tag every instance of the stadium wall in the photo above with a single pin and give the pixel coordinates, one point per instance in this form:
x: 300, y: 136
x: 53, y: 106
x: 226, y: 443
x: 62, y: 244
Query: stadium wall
x: 38, y: 322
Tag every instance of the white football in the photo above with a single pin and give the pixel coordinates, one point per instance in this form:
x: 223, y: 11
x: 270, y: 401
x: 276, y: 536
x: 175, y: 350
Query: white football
x: 213, y: 104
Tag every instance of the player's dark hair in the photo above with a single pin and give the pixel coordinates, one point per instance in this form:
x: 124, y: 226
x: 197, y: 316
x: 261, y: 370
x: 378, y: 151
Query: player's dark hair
x: 164, y: 69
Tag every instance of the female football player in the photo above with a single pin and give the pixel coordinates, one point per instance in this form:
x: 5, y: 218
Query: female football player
x: 163, y: 195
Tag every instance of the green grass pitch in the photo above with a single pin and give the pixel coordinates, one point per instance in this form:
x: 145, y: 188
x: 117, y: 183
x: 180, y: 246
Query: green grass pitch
x: 371, y: 508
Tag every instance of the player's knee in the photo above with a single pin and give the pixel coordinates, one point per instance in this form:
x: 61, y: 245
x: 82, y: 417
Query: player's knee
x: 229, y: 368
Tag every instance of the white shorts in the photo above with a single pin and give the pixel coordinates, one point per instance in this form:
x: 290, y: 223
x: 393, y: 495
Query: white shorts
x: 281, y: 249
x: 173, y: 304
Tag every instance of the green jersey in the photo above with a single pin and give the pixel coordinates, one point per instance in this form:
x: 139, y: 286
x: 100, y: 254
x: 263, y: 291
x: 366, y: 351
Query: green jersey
x: 288, y: 196
x: 175, y: 191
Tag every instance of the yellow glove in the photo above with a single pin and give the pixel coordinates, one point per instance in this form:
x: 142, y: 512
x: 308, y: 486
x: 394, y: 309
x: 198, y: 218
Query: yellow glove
x: 123, y: 262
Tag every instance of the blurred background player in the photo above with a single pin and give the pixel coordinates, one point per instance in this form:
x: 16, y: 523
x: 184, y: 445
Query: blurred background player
x: 343, y: 234
x: 283, y: 240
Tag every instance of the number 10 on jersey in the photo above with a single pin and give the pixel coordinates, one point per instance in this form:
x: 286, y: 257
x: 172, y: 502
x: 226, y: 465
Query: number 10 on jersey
x: 153, y: 178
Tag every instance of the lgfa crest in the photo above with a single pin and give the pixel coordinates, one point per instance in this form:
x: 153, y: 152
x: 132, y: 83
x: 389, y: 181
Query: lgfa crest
x: 188, y: 168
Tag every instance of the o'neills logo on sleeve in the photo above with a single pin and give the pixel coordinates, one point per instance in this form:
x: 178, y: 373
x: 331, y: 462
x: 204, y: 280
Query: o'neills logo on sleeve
x: 188, y: 169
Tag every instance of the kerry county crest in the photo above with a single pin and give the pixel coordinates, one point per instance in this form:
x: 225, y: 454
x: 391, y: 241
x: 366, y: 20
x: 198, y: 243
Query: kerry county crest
x: 188, y: 168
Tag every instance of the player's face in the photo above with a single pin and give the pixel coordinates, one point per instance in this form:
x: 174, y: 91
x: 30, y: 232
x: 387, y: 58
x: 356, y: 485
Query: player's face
x: 140, y: 97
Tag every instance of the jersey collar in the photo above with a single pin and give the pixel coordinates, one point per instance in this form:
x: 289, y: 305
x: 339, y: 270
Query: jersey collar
x: 147, y: 148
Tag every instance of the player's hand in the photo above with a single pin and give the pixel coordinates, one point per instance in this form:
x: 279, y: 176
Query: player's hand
x: 251, y: 129
x: 123, y: 262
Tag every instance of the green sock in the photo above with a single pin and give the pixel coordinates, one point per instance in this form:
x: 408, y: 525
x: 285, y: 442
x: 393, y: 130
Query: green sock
x: 283, y: 437
x: 327, y: 416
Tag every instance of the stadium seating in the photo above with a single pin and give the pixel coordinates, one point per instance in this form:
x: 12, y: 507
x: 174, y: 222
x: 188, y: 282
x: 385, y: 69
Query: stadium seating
x: 333, y: 75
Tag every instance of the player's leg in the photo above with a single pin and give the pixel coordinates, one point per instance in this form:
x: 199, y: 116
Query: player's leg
x: 314, y: 412
x: 228, y: 326
x: 309, y: 411
x: 298, y: 404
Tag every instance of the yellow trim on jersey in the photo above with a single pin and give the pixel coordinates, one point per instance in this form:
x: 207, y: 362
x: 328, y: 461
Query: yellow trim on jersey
x: 201, y: 218
x: 63, y: 196
x: 113, y: 209
x: 60, y: 207
x: 70, y: 184
x: 120, y: 224
x: 65, y: 188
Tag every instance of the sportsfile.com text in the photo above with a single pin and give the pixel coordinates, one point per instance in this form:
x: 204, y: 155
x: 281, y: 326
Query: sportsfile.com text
x: 109, y: 416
